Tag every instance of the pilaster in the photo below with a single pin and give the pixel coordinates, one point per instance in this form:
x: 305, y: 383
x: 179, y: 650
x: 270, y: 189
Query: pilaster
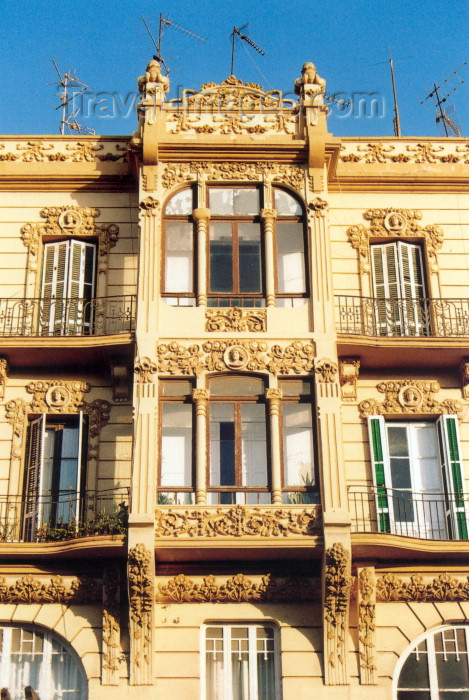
x: 273, y: 397
x: 202, y: 219
x: 201, y: 397
x: 268, y: 217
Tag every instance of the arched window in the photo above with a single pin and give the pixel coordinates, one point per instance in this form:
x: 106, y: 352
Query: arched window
x: 40, y: 660
x: 436, y: 667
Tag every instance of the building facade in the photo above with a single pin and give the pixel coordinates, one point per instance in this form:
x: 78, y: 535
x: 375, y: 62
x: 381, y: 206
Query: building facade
x: 234, y: 438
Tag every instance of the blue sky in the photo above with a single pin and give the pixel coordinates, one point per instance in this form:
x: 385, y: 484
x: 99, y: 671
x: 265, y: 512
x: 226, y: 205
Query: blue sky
x: 108, y: 45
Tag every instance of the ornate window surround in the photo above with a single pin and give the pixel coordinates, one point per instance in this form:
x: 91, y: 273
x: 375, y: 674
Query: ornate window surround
x: 396, y: 224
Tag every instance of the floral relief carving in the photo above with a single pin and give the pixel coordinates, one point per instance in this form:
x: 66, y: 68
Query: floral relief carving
x: 219, y: 355
x: 238, y: 589
x: 111, y: 626
x: 57, y: 396
x: 38, y: 152
x: 408, y: 396
x: 149, y: 206
x: 385, y: 223
x: 30, y: 589
x: 235, y: 319
x: 415, y: 153
x: 367, y: 625
x: 326, y: 369
x: 238, y: 521
x: 336, y: 605
x: 444, y: 587
x: 144, y: 369
x: 141, y: 595
x: 3, y: 376
x: 71, y: 220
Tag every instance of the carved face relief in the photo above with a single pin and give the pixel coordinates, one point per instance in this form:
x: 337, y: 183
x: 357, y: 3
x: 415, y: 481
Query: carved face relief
x: 236, y: 357
x: 69, y: 220
x: 57, y: 396
x: 410, y: 397
x: 395, y: 223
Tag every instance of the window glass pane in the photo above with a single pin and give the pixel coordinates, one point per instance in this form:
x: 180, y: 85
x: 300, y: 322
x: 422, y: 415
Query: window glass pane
x: 253, y: 445
x: 290, y: 259
x: 286, y: 205
x: 221, y: 258
x: 237, y: 386
x: 298, y: 445
x: 179, y: 257
x: 176, y: 445
x: 295, y: 387
x: 249, y: 241
x: 175, y: 388
x: 240, y: 663
x: 397, y: 441
x: 180, y: 204
x: 228, y: 201
x: 414, y: 673
x: 265, y: 663
x: 222, y: 445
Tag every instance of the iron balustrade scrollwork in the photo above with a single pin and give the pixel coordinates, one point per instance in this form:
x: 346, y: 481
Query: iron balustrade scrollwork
x: 411, y: 317
x: 67, y: 316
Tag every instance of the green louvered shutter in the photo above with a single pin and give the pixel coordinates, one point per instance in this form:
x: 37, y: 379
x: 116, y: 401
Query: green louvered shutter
x: 451, y: 463
x: 376, y: 430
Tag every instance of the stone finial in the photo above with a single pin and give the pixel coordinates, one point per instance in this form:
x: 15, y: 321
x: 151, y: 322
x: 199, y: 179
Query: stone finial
x: 153, y: 74
x: 310, y: 84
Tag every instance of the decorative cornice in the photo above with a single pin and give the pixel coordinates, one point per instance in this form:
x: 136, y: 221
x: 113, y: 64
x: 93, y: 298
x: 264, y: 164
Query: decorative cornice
x: 30, y: 589
x: 367, y: 625
x: 394, y: 223
x: 408, y: 396
x: 238, y: 521
x: 292, y: 175
x: 337, y: 586
x: 349, y: 368
x: 77, y: 152
x: 238, y: 589
x: 405, y: 153
x: 220, y: 355
x: 442, y: 588
x: 235, y: 319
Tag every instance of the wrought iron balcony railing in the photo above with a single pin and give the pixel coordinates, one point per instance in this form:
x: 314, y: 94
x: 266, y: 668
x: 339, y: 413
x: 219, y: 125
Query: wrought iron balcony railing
x: 67, y: 316
x: 425, y: 515
x: 434, y: 318
x: 64, y: 515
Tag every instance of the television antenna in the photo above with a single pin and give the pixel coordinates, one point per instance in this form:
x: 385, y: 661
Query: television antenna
x: 242, y: 37
x: 164, y: 23
x: 68, y: 123
x: 450, y: 126
x: 396, y: 120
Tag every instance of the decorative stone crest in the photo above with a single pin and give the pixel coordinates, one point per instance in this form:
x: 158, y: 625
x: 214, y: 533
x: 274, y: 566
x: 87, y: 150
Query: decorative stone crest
x: 390, y: 223
x: 239, y: 521
x: 235, y: 319
x: 3, y: 376
x: 326, y: 369
x: 238, y: 589
x: 141, y: 595
x: 337, y: 585
x: 149, y: 206
x: 348, y: 376
x: 367, y: 625
x: 444, y: 587
x: 408, y: 396
x: 31, y: 589
x: 144, y: 369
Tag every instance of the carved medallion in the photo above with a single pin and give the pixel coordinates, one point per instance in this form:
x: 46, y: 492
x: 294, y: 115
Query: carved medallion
x: 236, y: 357
x: 408, y: 396
x: 57, y: 397
x: 70, y: 220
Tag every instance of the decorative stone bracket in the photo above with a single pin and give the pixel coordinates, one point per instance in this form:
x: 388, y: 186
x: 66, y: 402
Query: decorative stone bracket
x: 348, y: 376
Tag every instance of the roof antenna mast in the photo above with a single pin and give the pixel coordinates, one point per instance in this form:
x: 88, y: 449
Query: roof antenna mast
x: 167, y: 22
x: 237, y: 33
x: 396, y: 122
x: 68, y: 123
x: 441, y: 117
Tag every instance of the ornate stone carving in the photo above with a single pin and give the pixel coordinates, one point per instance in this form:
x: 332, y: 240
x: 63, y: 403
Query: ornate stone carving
x: 153, y: 76
x: 144, y: 369
x: 212, y: 356
x: 70, y: 220
x: 464, y: 374
x: 326, y: 369
x: 30, y: 589
x: 366, y: 625
x: 444, y: 587
x: 111, y: 626
x: 318, y: 207
x: 385, y: 223
x: 238, y: 589
x: 310, y: 85
x: 348, y: 377
x: 3, y: 376
x: 239, y: 521
x: 149, y: 206
x: 408, y: 396
x: 37, y: 152
x: 141, y: 595
x: 235, y: 319
x: 337, y: 587
x: 53, y: 396
x: 292, y: 175
x: 416, y: 153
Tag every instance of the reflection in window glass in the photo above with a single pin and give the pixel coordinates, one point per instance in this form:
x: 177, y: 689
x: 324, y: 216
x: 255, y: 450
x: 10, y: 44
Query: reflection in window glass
x: 228, y: 201
x: 179, y: 257
x: 180, y: 204
x: 286, y: 205
x: 290, y: 258
x: 176, y: 445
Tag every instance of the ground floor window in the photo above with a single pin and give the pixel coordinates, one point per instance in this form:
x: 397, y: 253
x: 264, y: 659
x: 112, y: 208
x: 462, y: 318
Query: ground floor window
x: 241, y: 662
x: 436, y: 667
x: 39, y: 660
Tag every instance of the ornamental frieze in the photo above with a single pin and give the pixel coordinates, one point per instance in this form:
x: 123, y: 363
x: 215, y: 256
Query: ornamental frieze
x: 394, y: 223
x: 220, y: 355
x: 238, y: 589
x: 405, y: 153
x: 444, y: 587
x: 293, y: 175
x: 30, y: 589
x: 235, y: 319
x: 238, y: 521
x: 76, y: 152
x: 408, y: 396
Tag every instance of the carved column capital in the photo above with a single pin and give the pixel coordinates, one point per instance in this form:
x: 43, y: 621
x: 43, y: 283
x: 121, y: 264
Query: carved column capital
x: 201, y: 395
x: 201, y: 214
x: 268, y: 214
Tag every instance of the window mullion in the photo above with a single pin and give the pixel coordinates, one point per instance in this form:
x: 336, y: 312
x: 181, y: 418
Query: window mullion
x: 432, y: 672
x: 228, y: 685
x: 235, y: 257
x: 252, y: 662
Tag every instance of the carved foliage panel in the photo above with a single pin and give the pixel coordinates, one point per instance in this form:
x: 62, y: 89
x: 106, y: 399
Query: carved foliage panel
x: 141, y: 597
x: 409, y: 396
x: 337, y: 586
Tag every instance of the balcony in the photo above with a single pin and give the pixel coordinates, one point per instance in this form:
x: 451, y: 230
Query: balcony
x: 428, y: 516
x: 65, y: 516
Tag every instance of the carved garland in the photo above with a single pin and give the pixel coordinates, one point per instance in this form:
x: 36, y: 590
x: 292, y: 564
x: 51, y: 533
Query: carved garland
x: 291, y: 175
x: 442, y: 588
x: 235, y: 319
x: 418, y: 153
x: 394, y: 223
x: 336, y: 606
x: 219, y: 355
x: 367, y: 625
x: 237, y: 522
x: 77, y: 152
x: 409, y: 396
x: 238, y: 589
x: 30, y: 589
x: 141, y: 611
